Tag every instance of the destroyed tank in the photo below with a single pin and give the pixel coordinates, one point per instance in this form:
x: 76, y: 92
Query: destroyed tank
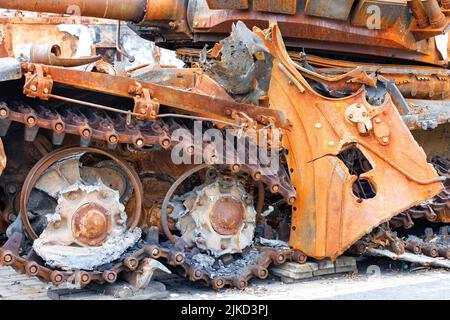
x: 296, y: 130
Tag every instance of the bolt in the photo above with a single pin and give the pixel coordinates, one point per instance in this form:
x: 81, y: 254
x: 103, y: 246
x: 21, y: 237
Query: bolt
x: 281, y: 258
x: 219, y: 282
x: 275, y: 188
x: 12, y: 189
x: 198, y: 273
x: 139, y: 142
x: 59, y: 126
x: 292, y: 200
x: 364, y: 114
x: 31, y: 121
x: 350, y: 116
x: 166, y: 143
x: 331, y: 143
x: 33, y: 88
x: 33, y: 269
x: 111, y: 276
x: 86, y: 133
x: 8, y: 258
x: 378, y: 121
x: 236, y: 167
x: 318, y: 125
x: 179, y: 258
x: 195, y: 23
x: 204, y: 23
x: 385, y: 139
x: 257, y: 176
x: 45, y: 91
x: 3, y: 112
x: 358, y: 106
x: 113, y: 139
x: 57, y: 277
x: 190, y: 149
x: 85, y: 278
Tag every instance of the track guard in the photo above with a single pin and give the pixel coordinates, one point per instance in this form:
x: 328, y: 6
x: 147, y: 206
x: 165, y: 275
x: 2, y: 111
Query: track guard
x: 328, y: 218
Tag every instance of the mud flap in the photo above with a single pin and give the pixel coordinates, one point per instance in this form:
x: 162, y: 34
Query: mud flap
x: 329, y: 216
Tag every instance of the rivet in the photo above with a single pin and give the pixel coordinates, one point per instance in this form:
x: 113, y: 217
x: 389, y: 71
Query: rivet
x: 331, y: 143
x: 318, y: 125
x: 112, y: 139
x: 378, y: 120
x: 31, y: 121
x: 58, y: 127
x: 385, y: 139
x: 86, y: 133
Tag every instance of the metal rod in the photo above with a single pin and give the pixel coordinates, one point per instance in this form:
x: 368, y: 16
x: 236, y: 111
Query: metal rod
x: 94, y: 105
x: 173, y: 115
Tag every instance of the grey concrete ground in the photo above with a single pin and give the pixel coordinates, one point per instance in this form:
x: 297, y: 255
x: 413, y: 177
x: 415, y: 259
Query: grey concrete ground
x: 422, y: 284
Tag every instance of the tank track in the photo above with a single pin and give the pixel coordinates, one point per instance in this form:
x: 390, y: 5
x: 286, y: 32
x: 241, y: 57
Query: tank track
x: 93, y: 125
x: 432, y: 209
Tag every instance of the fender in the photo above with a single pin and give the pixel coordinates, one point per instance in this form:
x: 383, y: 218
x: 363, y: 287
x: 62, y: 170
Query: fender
x: 327, y: 217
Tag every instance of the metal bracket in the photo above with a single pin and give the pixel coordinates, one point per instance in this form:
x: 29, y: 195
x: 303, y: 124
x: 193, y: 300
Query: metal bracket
x: 359, y: 114
x: 37, y: 84
x: 145, y: 107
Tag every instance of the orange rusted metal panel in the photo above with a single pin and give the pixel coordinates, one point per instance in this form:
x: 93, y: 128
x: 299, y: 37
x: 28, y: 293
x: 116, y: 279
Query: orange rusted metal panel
x: 276, y: 6
x: 228, y: 4
x: 328, y: 218
x: 131, y: 10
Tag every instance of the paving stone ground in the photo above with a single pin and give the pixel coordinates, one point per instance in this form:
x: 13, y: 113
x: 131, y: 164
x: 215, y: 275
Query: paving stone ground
x: 391, y: 285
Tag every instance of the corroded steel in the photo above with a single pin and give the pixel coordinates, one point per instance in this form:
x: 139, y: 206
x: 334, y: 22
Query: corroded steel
x: 132, y: 10
x: 327, y: 224
x: 194, y: 21
x: 350, y: 169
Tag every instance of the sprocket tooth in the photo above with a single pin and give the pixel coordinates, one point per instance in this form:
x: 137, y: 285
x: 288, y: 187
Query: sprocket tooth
x: 31, y: 133
x: 58, y: 138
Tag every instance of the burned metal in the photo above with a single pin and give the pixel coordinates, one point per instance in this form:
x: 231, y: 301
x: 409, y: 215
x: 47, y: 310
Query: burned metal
x: 99, y: 194
x: 51, y: 55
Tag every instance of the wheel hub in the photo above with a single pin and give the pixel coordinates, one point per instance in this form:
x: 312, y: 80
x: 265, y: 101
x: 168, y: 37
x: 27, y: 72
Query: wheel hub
x: 91, y: 224
x: 218, y: 217
x: 227, y: 216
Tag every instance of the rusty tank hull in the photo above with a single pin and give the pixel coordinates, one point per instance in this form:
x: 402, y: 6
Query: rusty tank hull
x: 251, y: 155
